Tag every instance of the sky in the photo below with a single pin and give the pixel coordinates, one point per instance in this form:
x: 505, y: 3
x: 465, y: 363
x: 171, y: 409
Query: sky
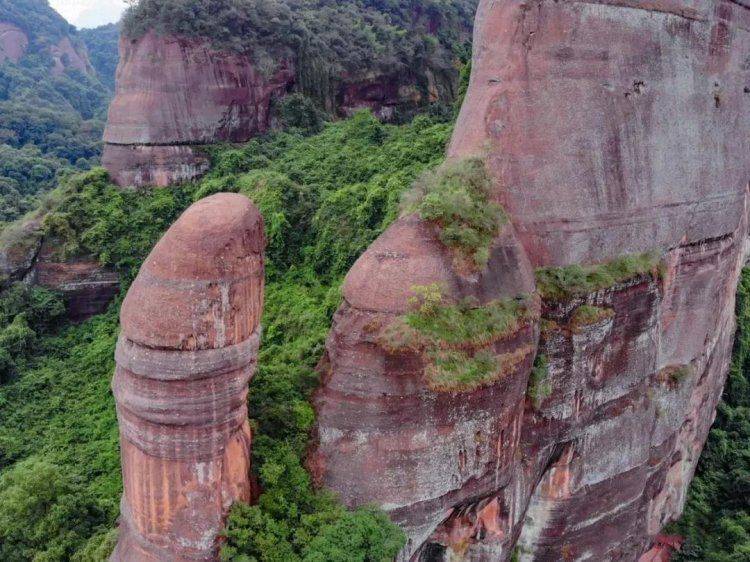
x: 89, y: 13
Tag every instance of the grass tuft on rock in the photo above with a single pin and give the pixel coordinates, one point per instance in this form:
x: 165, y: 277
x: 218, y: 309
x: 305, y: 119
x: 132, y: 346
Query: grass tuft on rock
x: 588, y: 315
x: 456, y: 198
x: 559, y: 283
x: 456, y: 338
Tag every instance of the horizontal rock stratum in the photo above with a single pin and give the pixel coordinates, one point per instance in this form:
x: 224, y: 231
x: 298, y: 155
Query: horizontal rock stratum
x: 609, y: 128
x: 188, y: 348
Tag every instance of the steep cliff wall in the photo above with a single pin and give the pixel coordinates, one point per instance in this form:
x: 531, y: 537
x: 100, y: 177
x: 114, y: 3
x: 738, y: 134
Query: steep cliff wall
x: 608, y: 128
x: 176, y: 92
x: 188, y: 348
x: 182, y: 84
x: 27, y: 255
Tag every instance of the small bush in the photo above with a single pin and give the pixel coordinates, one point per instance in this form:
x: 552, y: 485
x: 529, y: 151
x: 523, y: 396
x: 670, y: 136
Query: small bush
x: 456, y: 339
x: 456, y: 198
x: 559, y: 283
x: 540, y: 387
x: 587, y: 315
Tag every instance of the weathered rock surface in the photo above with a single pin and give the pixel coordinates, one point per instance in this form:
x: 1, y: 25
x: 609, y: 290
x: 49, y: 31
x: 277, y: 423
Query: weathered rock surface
x: 175, y: 92
x: 187, y: 351
x: 13, y: 43
x: 609, y: 127
x: 27, y: 255
x: 86, y: 285
x: 66, y: 56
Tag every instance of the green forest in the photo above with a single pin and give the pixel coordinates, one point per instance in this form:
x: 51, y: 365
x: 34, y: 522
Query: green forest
x: 50, y: 124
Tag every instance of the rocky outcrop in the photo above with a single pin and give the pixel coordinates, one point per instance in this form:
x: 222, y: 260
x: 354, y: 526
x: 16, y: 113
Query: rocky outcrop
x: 13, y: 43
x: 176, y: 92
x: 26, y: 255
x: 66, y: 56
x: 609, y: 127
x: 187, y: 351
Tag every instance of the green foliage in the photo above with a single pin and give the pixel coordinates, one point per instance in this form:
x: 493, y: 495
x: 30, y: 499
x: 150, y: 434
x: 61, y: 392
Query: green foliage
x: 716, y: 522
x: 587, y: 315
x: 540, y: 387
x: 456, y: 198
x: 25, y: 313
x: 325, y: 198
x: 455, y: 338
x: 328, y: 39
x: 49, y: 123
x: 559, y: 283
x: 44, y: 513
x: 299, y: 112
x: 102, y: 45
x: 35, y: 17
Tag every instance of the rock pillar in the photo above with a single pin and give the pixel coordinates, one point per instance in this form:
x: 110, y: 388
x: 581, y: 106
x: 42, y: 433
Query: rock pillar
x: 187, y: 351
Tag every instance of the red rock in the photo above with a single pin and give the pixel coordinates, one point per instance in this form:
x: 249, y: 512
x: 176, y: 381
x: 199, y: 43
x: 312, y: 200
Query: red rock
x: 86, y: 285
x: 173, y: 92
x: 66, y: 56
x: 609, y: 127
x: 13, y: 43
x: 187, y: 351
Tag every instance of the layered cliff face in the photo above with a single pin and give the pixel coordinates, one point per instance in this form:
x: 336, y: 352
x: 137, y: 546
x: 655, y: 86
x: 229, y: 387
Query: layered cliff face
x: 175, y: 92
x: 183, y: 87
x: 188, y: 348
x: 608, y: 128
x: 27, y: 255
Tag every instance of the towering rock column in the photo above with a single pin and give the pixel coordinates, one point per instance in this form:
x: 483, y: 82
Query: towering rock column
x: 188, y: 349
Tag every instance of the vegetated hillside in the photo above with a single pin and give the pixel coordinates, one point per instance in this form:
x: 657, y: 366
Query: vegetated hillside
x: 330, y: 40
x: 52, y: 105
x: 717, y: 517
x: 324, y: 199
x: 102, y: 44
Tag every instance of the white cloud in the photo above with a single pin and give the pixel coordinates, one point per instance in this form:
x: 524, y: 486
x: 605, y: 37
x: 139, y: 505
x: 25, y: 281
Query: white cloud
x: 89, y: 13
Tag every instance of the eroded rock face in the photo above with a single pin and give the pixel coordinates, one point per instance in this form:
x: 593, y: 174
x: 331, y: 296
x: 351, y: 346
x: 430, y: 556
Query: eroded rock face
x: 27, y: 256
x: 13, y: 43
x: 187, y: 351
x: 176, y: 92
x: 609, y: 127
x: 66, y: 56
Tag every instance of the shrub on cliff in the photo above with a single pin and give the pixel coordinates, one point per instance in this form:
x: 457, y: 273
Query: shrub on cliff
x: 558, y: 283
x: 456, y: 198
x: 456, y: 339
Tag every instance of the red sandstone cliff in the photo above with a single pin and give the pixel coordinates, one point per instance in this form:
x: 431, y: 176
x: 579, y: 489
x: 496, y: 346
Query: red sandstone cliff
x: 174, y: 94
x: 27, y: 255
x: 13, y: 43
x: 609, y: 127
x: 188, y: 348
x: 65, y: 54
